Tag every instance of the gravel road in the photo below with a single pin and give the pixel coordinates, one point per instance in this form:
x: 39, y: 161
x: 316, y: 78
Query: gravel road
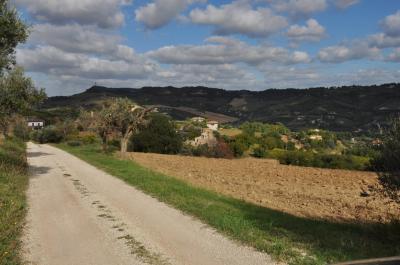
x: 81, y: 215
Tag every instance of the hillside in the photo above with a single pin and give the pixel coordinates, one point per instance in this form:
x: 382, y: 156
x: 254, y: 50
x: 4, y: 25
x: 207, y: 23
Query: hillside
x: 350, y: 108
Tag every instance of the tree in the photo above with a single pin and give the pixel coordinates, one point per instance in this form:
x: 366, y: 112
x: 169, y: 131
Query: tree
x: 122, y: 116
x: 12, y: 31
x: 159, y: 136
x: 387, y: 163
x: 97, y: 121
x: 17, y: 96
x: 17, y: 93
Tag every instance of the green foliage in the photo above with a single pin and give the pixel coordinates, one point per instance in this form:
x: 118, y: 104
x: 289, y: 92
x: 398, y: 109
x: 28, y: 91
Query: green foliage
x: 387, y: 163
x: 272, y: 143
x: 238, y: 148
x: 13, y: 183
x: 311, y: 159
x: 158, y: 136
x: 17, y: 96
x: 260, y: 152
x: 264, y: 128
x: 74, y: 143
x: 21, y: 130
x: 49, y: 134
x: 190, y: 132
x: 12, y: 31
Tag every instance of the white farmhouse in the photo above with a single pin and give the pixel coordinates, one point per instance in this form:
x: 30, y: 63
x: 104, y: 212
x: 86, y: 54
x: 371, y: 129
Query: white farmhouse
x: 212, y: 125
x: 198, y: 119
x: 35, y: 124
x: 207, y: 137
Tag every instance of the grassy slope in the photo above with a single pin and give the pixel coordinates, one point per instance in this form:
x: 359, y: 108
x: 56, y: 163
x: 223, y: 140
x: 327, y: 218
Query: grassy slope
x: 13, y: 183
x: 284, y: 236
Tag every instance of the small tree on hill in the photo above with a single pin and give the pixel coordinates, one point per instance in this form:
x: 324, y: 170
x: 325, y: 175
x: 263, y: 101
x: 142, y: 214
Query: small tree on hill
x: 387, y: 163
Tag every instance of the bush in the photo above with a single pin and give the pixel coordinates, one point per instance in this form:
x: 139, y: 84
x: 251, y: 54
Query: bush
x: 21, y: 131
x: 88, y: 138
x: 310, y: 159
x: 159, y: 136
x: 238, y: 148
x: 222, y: 150
x: 74, y: 143
x: 48, y: 134
x: 387, y: 162
x: 260, y: 152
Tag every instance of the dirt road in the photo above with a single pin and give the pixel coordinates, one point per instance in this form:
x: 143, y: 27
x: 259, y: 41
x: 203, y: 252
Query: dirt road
x: 81, y: 215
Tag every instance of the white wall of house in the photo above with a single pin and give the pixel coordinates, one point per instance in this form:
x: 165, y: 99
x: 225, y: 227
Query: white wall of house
x: 35, y: 124
x: 212, y: 126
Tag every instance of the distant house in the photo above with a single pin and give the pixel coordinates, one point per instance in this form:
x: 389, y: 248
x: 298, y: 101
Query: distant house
x: 212, y: 125
x: 197, y: 119
x: 206, y: 137
x: 35, y: 124
x: 316, y: 137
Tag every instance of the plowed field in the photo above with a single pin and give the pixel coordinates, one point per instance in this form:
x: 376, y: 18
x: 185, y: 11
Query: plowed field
x: 301, y: 191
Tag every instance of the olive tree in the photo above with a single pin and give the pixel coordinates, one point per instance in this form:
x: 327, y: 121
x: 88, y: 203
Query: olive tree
x: 119, y: 116
x: 127, y: 118
x: 387, y: 163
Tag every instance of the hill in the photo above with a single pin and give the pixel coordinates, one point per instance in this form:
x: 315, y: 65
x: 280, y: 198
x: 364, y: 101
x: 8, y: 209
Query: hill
x: 349, y: 108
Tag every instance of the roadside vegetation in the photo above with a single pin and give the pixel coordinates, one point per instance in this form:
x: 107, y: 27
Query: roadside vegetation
x: 13, y: 183
x: 286, y: 237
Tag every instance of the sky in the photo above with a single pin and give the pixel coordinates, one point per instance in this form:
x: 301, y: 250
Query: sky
x: 242, y: 44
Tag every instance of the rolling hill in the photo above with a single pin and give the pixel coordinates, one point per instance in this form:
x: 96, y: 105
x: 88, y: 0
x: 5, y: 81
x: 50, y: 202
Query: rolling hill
x: 349, y: 108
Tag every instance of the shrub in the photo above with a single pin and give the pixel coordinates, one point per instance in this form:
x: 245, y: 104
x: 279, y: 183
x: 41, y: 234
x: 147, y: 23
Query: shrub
x: 222, y: 150
x: 74, y: 143
x: 260, y: 152
x: 48, y: 134
x: 21, y: 131
x: 238, y: 148
x: 159, y: 136
x: 387, y: 162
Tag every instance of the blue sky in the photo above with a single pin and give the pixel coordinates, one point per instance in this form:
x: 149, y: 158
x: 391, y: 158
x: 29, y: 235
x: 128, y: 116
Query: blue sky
x: 243, y: 44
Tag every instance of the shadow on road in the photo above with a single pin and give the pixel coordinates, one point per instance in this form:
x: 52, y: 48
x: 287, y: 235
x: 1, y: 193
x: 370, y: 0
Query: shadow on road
x: 35, y: 171
x: 37, y: 154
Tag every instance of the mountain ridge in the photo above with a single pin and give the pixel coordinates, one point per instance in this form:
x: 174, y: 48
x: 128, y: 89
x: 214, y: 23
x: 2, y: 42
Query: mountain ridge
x: 347, y: 108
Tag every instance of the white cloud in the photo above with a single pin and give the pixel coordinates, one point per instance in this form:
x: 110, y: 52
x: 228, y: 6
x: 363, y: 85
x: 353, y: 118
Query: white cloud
x: 299, y: 8
x: 346, y: 3
x: 352, y: 51
x: 239, y: 18
x: 161, y: 12
x: 391, y: 25
x: 53, y: 61
x: 102, y: 13
x: 312, y: 31
x: 74, y: 38
x: 227, y: 51
x: 382, y: 41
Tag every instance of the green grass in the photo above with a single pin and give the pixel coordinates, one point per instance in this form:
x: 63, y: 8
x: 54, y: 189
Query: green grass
x: 13, y: 183
x: 285, y: 237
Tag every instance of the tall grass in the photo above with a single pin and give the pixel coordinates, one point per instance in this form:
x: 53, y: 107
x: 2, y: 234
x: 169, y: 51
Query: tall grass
x: 13, y: 183
x: 286, y: 237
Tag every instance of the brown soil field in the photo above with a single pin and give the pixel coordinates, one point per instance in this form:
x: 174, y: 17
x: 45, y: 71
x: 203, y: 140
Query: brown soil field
x: 301, y: 191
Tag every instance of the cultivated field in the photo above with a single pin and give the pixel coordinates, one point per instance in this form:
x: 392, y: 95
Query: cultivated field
x: 309, y: 192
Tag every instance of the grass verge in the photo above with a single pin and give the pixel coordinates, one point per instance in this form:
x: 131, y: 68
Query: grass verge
x: 13, y: 183
x: 286, y: 237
